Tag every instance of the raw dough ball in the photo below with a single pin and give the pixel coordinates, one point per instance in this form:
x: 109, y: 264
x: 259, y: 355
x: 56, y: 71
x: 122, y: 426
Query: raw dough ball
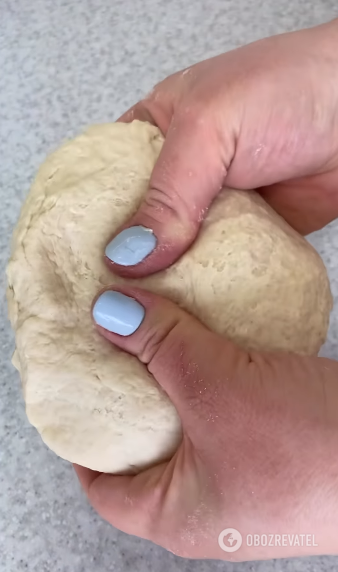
x: 248, y: 275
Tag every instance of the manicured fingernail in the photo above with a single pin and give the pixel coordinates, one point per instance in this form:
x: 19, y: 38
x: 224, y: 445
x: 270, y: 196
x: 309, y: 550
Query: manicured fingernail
x: 131, y: 246
x: 118, y: 313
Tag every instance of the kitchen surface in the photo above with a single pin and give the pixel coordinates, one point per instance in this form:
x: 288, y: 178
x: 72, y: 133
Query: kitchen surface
x: 65, y: 64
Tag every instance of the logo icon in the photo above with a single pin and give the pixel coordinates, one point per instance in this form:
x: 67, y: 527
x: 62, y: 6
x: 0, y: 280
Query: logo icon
x: 230, y: 540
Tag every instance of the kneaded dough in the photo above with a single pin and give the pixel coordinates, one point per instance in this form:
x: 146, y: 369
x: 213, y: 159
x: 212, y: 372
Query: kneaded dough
x: 248, y: 276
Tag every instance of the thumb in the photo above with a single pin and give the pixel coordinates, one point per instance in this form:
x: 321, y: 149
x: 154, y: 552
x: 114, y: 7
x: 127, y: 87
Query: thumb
x: 190, y: 362
x: 187, y: 176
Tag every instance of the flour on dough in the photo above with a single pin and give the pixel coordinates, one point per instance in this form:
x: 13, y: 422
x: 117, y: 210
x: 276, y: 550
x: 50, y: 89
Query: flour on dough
x: 248, y: 276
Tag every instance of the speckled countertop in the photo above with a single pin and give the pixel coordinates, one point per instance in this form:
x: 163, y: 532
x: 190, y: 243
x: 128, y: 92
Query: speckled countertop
x: 63, y: 65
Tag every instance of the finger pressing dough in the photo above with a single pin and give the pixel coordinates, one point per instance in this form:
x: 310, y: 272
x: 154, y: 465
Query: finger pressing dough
x: 248, y: 276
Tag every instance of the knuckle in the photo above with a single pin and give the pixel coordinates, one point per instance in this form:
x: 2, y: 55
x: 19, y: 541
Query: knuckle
x: 165, y: 205
x: 165, y: 354
x: 160, y: 200
x: 157, y: 338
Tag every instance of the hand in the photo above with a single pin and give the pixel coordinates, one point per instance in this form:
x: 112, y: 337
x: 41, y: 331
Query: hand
x: 260, y: 430
x: 259, y: 448
x: 263, y: 116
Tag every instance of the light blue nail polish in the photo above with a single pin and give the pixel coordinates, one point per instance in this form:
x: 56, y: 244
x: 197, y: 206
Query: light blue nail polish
x: 118, y: 313
x: 131, y: 246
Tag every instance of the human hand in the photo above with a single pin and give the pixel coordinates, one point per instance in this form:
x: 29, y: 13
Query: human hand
x: 260, y: 430
x: 263, y: 116
x: 260, y: 436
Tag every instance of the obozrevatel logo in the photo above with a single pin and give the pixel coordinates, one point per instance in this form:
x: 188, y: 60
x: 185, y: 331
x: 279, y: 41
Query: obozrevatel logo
x: 230, y: 540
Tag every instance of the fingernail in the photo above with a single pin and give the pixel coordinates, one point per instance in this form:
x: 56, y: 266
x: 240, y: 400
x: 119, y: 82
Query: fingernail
x: 118, y: 313
x: 131, y: 246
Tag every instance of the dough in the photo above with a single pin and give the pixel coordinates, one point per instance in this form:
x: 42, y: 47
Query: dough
x: 248, y: 275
